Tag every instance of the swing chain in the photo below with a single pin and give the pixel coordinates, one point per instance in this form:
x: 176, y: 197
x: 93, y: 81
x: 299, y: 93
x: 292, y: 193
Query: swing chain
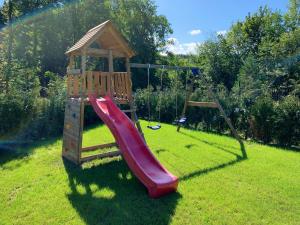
x: 176, y: 95
x: 160, y: 93
x: 149, y: 115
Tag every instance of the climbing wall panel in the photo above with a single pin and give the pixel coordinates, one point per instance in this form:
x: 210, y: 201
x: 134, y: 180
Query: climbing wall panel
x: 72, y: 137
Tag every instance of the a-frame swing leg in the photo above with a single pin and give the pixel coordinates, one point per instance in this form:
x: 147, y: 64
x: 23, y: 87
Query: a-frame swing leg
x: 218, y: 105
x: 228, y: 121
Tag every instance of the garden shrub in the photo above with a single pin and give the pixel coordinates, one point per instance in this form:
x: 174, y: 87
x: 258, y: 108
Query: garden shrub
x: 287, y: 121
x: 167, y: 107
x: 263, y: 116
x: 19, y: 104
x: 48, y: 119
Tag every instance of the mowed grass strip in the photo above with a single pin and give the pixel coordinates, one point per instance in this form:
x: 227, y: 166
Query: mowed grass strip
x: 217, y: 184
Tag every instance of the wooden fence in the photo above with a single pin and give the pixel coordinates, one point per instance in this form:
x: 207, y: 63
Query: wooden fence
x: 116, y: 84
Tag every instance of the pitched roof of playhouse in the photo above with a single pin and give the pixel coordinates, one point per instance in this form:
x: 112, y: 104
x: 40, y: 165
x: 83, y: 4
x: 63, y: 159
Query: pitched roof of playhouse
x: 107, y: 36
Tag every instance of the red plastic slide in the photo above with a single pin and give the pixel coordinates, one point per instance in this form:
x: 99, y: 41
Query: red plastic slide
x: 134, y: 150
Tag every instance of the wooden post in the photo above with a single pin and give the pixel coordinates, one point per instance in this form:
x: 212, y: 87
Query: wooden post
x: 83, y: 74
x: 134, y: 117
x: 82, y: 93
x: 71, y: 65
x: 129, y: 78
x: 110, y: 74
x: 187, y: 98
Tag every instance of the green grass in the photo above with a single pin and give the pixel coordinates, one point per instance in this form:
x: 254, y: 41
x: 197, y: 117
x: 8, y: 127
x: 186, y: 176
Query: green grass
x: 217, y: 184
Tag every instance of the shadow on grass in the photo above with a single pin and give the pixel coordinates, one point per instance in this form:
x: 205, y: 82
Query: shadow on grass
x: 284, y: 148
x: 108, y: 194
x: 16, y: 150
x: 11, y: 150
x: 190, y: 146
x: 160, y: 150
x: 238, y: 159
x: 217, y: 145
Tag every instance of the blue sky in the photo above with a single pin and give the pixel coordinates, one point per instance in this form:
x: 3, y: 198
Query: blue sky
x: 194, y: 21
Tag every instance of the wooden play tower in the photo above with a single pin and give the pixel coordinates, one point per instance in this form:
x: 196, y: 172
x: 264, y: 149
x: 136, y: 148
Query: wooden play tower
x: 102, y: 41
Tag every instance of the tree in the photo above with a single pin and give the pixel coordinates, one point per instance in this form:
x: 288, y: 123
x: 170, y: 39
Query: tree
x: 219, y: 61
x: 145, y: 30
x: 292, y: 17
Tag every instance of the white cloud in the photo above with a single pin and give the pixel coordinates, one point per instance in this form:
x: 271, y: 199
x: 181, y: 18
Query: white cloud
x: 222, y: 32
x: 178, y: 48
x: 195, y: 32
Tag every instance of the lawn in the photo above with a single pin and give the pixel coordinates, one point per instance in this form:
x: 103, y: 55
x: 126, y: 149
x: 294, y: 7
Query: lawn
x: 218, y: 185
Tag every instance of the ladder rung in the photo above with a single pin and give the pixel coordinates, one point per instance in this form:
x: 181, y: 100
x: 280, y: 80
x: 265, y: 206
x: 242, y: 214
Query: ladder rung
x: 203, y: 104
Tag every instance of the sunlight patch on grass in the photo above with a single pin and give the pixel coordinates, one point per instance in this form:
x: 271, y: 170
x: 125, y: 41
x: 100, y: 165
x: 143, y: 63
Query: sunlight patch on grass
x: 104, y: 193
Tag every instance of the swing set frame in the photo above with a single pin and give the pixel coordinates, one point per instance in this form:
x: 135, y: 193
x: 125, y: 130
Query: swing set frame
x: 214, y: 104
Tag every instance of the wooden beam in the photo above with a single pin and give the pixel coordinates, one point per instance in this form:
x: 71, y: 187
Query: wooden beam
x: 129, y: 110
x: 152, y: 66
x: 74, y: 71
x: 100, y: 156
x: 95, y: 51
x: 91, y: 148
x: 103, y: 52
x: 203, y: 104
x: 121, y: 101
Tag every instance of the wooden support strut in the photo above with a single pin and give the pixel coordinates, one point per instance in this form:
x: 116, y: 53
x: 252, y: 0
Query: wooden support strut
x: 203, y: 104
x: 228, y: 121
x: 102, y: 146
x: 100, y: 156
x: 129, y: 110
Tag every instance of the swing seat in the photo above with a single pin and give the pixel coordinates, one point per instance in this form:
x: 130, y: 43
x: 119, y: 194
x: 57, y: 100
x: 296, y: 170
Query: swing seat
x: 182, y: 120
x: 155, y: 127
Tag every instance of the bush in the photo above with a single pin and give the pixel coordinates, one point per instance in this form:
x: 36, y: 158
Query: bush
x: 48, y: 119
x: 12, y: 113
x: 167, y: 106
x: 19, y: 104
x: 288, y: 121
x: 262, y: 119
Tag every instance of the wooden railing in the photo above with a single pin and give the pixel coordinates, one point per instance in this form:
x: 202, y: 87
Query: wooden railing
x: 117, y: 85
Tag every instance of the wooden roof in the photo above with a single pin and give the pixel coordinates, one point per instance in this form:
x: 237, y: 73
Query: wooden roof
x: 107, y: 36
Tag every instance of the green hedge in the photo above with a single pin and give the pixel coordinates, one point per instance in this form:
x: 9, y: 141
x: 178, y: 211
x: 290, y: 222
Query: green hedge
x: 265, y: 120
